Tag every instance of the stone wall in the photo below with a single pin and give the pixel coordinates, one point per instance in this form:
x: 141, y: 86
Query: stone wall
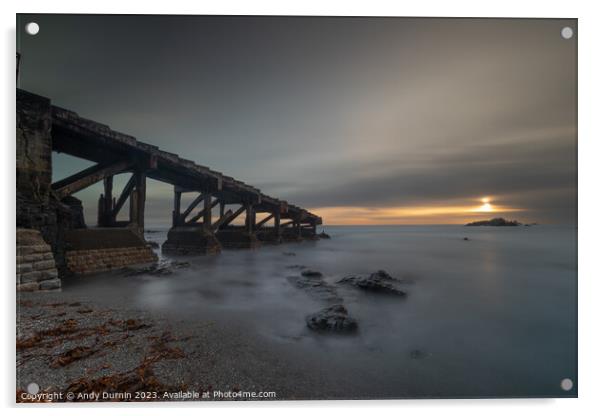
x: 103, y: 260
x: 36, y: 269
x: 95, y: 250
x: 37, y: 208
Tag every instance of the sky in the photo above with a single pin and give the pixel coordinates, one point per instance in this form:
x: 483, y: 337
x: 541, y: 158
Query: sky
x: 360, y: 120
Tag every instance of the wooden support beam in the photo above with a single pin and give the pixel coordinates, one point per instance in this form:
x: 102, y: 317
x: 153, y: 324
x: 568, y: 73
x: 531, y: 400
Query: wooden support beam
x: 141, y: 194
x: 263, y: 221
x: 87, y: 177
x: 207, y: 211
x: 192, y: 206
x: 105, y: 204
x: 286, y: 224
x: 221, y: 220
x: 222, y: 208
x: 108, y: 185
x: 201, y: 213
x: 177, y: 201
x: 250, y: 218
x: 125, y: 194
x: 133, y: 207
x: 277, y: 223
x: 233, y: 216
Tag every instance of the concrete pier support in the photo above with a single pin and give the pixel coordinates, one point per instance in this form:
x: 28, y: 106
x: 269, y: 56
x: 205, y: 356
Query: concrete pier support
x: 191, y: 240
x: 237, y: 238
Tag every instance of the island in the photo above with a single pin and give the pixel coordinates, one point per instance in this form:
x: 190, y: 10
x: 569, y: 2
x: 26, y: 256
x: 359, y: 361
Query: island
x: 495, y: 222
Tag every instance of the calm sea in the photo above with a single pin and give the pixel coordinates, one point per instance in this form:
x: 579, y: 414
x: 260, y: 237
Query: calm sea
x: 491, y: 316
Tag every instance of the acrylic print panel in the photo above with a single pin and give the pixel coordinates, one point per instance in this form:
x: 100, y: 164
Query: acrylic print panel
x: 276, y: 208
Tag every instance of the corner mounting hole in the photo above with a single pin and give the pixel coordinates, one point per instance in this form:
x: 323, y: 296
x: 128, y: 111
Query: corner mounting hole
x: 566, y: 32
x: 566, y: 384
x: 32, y: 28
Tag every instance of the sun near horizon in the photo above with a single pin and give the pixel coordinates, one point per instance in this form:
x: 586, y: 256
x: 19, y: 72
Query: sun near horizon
x: 415, y: 214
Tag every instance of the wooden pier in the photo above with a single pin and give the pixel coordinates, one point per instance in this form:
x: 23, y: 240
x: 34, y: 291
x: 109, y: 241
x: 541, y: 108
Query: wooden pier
x: 43, y: 128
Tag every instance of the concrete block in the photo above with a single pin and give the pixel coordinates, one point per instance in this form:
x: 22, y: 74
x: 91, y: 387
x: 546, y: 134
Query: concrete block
x: 28, y: 287
x: 50, y: 284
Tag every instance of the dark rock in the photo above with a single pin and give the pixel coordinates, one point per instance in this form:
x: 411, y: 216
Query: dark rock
x: 288, y: 253
x: 316, y: 288
x: 152, y: 244
x: 161, y: 268
x: 311, y: 273
x: 295, y: 266
x: 466, y: 239
x: 335, y: 318
x: 380, y: 282
x: 495, y: 222
x: 324, y: 235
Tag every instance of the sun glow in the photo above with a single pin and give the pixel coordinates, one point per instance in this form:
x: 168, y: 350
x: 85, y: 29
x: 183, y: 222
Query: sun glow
x: 486, y: 207
x: 436, y: 214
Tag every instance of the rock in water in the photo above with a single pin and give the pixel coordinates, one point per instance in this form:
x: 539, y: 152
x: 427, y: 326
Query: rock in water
x: 316, y: 288
x: 161, y: 268
x: 381, y: 281
x: 335, y: 318
x: 311, y: 273
x: 324, y: 235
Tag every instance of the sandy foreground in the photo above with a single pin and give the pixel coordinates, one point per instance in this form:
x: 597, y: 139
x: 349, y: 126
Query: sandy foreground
x: 76, y: 349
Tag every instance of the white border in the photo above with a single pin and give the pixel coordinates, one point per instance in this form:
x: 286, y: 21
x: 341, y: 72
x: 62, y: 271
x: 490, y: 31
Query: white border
x: 590, y: 200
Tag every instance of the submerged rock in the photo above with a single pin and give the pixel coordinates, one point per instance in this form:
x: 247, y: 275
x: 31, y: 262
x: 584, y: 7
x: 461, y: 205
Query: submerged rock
x: 324, y: 235
x: 334, y: 318
x: 161, y: 268
x: 311, y: 273
x: 381, y: 281
x: 296, y: 266
x: 316, y: 288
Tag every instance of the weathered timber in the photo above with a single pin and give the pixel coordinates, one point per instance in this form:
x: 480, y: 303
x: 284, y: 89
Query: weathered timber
x: 221, y: 220
x: 233, y: 216
x: 43, y: 128
x: 125, y: 194
x: 263, y: 221
x: 250, y: 218
x: 87, y: 177
x: 207, y: 212
x: 201, y: 213
x: 192, y: 206
x: 177, y: 202
x: 141, y: 199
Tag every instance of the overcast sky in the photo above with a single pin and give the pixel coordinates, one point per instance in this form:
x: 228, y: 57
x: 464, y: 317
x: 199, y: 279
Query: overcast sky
x: 363, y: 120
